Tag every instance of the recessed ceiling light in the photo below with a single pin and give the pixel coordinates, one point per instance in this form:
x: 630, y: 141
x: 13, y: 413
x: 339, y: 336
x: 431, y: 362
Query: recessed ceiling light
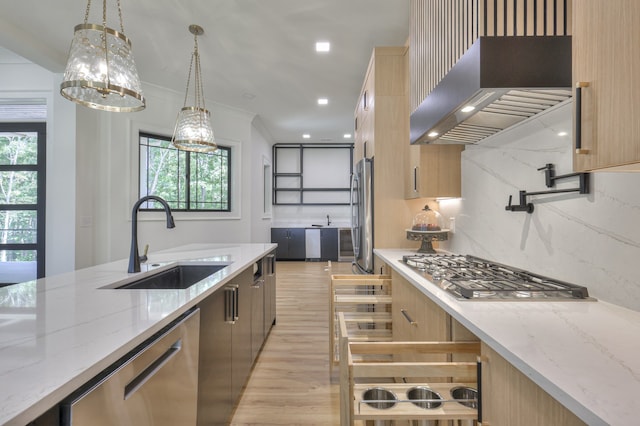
x: 323, y: 46
x: 562, y: 133
x: 347, y: 135
x: 323, y: 101
x: 433, y: 134
x: 306, y: 136
x: 468, y: 108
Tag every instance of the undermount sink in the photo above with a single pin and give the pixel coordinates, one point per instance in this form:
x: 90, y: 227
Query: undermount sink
x: 178, y: 277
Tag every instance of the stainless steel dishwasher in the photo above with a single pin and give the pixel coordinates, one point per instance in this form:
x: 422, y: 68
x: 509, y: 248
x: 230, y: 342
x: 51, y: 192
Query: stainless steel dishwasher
x: 154, y: 384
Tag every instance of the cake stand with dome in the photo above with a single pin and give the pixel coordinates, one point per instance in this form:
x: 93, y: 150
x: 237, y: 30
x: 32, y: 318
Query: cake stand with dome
x: 427, y: 227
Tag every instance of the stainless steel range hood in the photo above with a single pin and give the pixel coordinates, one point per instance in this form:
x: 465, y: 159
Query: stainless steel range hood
x: 497, y: 83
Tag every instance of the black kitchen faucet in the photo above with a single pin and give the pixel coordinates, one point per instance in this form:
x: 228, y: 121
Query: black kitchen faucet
x: 134, y: 258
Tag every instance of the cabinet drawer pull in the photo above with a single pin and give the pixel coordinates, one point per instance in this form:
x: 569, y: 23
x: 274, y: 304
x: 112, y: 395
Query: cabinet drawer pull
x: 236, y: 303
x: 415, y: 179
x: 479, y: 385
x: 229, y: 304
x: 152, y: 369
x: 578, y: 130
x: 407, y: 317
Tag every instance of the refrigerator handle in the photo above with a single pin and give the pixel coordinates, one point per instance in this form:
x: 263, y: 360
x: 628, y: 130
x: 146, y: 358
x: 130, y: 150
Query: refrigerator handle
x: 354, y: 217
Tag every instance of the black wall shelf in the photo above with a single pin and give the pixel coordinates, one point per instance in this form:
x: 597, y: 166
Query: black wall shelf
x: 290, y: 180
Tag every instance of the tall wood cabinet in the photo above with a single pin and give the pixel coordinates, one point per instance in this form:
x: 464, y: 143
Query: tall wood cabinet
x: 605, y: 57
x: 381, y: 116
x: 382, y: 133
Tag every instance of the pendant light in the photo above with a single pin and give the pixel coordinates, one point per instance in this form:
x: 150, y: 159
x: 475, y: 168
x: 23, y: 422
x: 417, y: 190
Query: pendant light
x: 193, y: 131
x: 101, y: 72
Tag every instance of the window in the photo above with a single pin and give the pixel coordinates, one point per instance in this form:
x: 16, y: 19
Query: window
x: 188, y: 181
x: 22, y: 201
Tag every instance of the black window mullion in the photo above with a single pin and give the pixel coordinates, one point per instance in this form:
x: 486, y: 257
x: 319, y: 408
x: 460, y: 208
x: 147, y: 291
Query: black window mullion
x: 25, y: 246
x: 188, y: 181
x: 18, y: 207
x: 189, y: 174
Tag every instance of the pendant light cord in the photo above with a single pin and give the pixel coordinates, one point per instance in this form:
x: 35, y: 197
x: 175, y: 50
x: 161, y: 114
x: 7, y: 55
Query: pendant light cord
x: 198, y: 92
x: 186, y: 92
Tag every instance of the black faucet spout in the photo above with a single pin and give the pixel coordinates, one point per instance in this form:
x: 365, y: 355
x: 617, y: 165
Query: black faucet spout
x: 134, y: 257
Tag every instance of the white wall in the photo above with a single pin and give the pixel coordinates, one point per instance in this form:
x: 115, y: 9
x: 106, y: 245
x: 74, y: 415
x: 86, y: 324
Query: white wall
x: 591, y: 240
x: 308, y: 215
x: 23, y: 80
x: 261, y: 208
x: 108, y: 154
x: 92, y: 163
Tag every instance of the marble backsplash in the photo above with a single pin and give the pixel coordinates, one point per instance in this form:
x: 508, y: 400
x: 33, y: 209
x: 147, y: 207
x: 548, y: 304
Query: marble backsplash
x: 591, y: 240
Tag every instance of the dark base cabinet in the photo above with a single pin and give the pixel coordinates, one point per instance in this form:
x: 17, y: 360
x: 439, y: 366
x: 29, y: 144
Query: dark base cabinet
x: 225, y: 349
x: 235, y: 320
x: 290, y: 243
x: 269, y: 292
x: 329, y: 244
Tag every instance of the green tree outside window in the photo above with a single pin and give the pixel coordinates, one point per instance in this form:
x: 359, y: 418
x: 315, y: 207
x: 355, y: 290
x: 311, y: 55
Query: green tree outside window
x: 188, y: 181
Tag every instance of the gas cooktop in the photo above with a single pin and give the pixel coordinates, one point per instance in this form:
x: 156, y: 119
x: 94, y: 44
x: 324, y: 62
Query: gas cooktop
x: 472, y: 278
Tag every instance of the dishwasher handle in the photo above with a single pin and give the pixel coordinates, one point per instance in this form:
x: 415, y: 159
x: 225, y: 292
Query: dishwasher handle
x: 152, y: 369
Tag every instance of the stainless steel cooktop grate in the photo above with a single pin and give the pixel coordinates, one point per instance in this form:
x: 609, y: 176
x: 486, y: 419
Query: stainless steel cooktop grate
x: 470, y: 277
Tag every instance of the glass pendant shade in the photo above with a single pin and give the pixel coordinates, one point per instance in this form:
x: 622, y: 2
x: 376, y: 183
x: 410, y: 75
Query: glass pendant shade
x: 193, y: 130
x: 101, y: 71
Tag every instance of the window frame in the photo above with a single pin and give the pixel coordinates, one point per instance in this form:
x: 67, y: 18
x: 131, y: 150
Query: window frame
x: 188, y: 177
x: 40, y: 207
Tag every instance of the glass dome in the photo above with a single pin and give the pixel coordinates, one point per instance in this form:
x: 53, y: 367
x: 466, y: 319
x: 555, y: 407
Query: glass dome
x: 427, y: 220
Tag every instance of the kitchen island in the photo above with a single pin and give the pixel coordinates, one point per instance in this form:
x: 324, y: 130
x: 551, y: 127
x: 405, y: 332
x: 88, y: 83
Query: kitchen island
x: 61, y: 331
x: 584, y: 354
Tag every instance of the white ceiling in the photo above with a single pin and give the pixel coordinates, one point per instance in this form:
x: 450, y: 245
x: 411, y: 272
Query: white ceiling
x: 257, y: 55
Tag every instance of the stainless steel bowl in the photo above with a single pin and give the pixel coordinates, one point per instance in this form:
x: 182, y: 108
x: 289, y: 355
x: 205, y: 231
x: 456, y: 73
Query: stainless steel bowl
x: 379, y: 398
x: 465, y: 396
x: 424, y: 397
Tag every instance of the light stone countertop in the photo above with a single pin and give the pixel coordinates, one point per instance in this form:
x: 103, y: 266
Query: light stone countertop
x: 585, y: 354
x: 64, y: 329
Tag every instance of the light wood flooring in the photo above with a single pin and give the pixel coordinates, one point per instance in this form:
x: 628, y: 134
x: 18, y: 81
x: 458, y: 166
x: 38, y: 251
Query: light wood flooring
x: 291, y: 383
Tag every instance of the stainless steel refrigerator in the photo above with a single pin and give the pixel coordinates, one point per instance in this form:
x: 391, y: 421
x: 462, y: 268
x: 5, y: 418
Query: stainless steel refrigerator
x: 362, y: 215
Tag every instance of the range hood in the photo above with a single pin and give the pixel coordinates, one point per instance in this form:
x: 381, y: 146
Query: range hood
x: 497, y: 83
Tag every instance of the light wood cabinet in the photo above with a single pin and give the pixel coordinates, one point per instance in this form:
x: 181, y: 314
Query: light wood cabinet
x: 382, y: 110
x: 433, y: 171
x: 416, y: 319
x: 605, y: 56
x: 382, y: 116
x: 511, y: 398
